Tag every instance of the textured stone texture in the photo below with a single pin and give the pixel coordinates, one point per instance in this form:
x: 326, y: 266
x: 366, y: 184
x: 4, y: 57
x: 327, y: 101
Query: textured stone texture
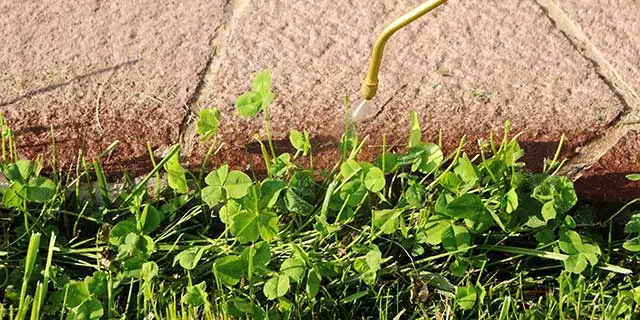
x: 465, y: 68
x: 139, y: 61
x: 614, y: 27
x: 99, y: 71
x: 606, y: 180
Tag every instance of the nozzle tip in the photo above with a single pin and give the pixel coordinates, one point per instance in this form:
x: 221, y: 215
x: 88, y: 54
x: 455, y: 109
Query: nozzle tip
x: 369, y: 89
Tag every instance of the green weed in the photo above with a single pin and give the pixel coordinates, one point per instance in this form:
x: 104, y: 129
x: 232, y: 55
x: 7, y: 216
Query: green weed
x: 414, y: 234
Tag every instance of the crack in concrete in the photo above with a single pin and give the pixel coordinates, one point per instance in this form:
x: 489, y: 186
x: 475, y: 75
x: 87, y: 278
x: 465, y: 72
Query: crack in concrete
x: 384, y: 105
x: 593, y: 150
x: 232, y: 10
x: 197, y: 92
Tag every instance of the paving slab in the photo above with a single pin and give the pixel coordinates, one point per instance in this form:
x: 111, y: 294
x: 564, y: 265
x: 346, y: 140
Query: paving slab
x: 605, y: 180
x: 100, y: 71
x: 465, y: 68
x: 614, y: 28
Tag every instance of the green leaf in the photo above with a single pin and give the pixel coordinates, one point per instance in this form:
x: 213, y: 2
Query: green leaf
x: 455, y: 238
x: 294, y: 268
x: 90, y: 309
x: 511, y: 198
x: 270, y: 190
x: 237, y: 184
x: 313, y: 283
x: 302, y: 184
x: 262, y: 81
x: 466, y: 170
x: 633, y: 225
x: 414, y: 195
x: 268, y: 225
x: 189, y: 258
x: 245, y: 227
x: 229, y: 270
x: 276, y: 287
x: 297, y: 204
x: 451, y: 181
x: 15, y: 195
x: 218, y: 177
x: 259, y: 252
x: 429, y: 156
x: 468, y: 206
x: 480, y: 223
x: 40, y: 189
x: 176, y: 177
x: 77, y: 292
x: 374, y: 259
x: 569, y: 222
x: 558, y: 189
x: 349, y: 169
x: 196, y: 295
x: 149, y: 270
x: 229, y: 211
x: 575, y: 263
x: 120, y: 231
x: 20, y: 171
x: 632, y: 244
x: 466, y: 297
x: 256, y: 256
x: 244, y: 306
x: 97, y: 284
x: 415, y: 134
x: 434, y: 228
x: 548, y: 211
x: 297, y: 139
x: 438, y: 281
x: 545, y: 236
x: 354, y: 297
x: 374, y: 180
x: 249, y: 104
x: 355, y: 191
x: 208, y: 123
x: 153, y: 219
x: 633, y: 177
x: 570, y: 241
x: 388, y: 162
x: 459, y: 267
x: 386, y: 220
x: 145, y: 244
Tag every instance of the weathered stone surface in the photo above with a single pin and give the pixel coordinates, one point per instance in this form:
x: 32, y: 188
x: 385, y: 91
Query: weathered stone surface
x: 605, y: 181
x: 614, y: 27
x: 100, y: 71
x: 465, y: 68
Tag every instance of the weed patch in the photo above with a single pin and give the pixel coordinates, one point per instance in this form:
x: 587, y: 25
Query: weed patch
x: 411, y: 235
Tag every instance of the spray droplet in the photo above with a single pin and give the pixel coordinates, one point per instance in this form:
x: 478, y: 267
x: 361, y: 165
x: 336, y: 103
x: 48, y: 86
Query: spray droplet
x: 364, y: 110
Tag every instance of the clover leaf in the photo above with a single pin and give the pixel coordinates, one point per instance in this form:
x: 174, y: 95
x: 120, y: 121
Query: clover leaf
x: 208, y: 123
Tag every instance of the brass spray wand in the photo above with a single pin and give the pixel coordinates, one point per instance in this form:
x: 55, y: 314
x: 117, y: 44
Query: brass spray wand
x: 366, y: 109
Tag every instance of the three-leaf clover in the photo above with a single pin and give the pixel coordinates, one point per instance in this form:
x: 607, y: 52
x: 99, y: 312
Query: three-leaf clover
x: 234, y: 184
x: 259, y: 98
x: 26, y: 184
x: 580, y: 251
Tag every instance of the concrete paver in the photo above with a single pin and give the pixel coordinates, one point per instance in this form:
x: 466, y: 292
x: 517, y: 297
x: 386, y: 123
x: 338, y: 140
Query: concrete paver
x: 465, y: 68
x: 136, y: 71
x: 613, y: 26
x: 606, y: 180
x: 136, y: 62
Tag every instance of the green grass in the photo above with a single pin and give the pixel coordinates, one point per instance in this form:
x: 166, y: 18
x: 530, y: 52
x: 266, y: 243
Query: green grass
x: 414, y: 234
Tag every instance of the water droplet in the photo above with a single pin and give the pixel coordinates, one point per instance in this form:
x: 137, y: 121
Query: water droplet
x: 364, y: 110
